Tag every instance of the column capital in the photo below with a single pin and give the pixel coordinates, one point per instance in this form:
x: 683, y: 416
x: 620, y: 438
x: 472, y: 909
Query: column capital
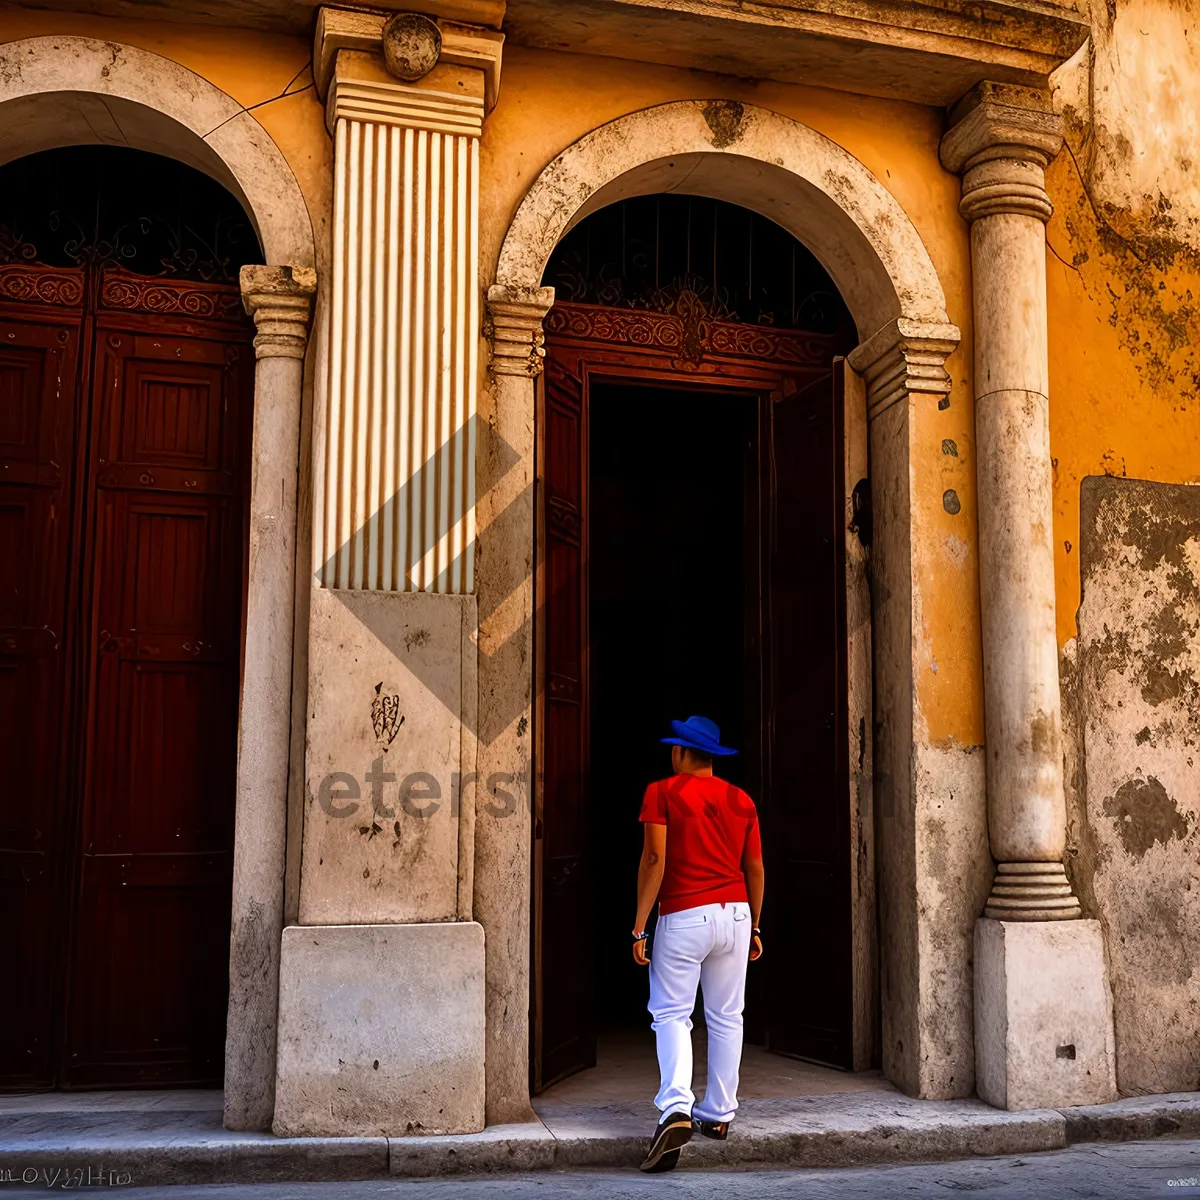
x: 514, y: 325
x: 360, y: 35
x: 904, y: 356
x: 280, y: 301
x: 1001, y: 139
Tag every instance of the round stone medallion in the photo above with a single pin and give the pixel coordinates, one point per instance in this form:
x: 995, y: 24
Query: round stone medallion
x: 411, y: 45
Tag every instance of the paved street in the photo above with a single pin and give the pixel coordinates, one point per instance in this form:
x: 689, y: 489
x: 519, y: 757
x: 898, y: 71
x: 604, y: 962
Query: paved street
x: 1131, y: 1171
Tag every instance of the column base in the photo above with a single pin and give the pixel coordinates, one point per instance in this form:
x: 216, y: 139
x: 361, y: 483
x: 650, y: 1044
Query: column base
x: 1043, y: 1015
x: 381, y: 1030
x: 1034, y: 891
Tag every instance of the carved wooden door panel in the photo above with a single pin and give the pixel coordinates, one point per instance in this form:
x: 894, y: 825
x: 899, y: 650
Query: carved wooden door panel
x: 123, y: 419
x: 150, y: 972
x: 40, y: 327
x: 563, y: 1018
x: 808, y: 984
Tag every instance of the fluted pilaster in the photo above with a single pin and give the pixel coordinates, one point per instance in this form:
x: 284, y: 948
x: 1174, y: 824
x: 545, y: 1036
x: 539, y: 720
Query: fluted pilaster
x: 394, y: 492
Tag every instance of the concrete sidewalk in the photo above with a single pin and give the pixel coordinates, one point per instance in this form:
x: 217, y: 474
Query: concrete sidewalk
x: 176, y: 1137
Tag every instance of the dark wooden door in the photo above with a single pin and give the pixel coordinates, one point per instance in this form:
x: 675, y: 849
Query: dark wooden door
x: 808, y: 981
x: 41, y: 319
x: 144, y: 722
x: 564, y: 1026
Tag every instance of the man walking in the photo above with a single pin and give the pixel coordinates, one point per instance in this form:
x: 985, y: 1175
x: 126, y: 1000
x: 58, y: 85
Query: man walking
x: 702, y: 861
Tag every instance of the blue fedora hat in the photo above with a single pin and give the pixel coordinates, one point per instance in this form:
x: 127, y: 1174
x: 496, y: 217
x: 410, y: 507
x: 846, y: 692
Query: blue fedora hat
x: 697, y: 733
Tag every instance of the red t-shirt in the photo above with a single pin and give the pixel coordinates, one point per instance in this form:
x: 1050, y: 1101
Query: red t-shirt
x: 710, y: 825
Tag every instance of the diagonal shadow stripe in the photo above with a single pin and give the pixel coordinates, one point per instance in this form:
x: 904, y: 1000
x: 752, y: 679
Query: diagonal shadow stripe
x: 495, y: 458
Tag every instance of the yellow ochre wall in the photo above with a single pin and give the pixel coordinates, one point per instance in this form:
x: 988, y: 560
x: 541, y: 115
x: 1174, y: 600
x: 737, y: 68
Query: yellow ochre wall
x: 547, y: 101
x: 1124, y: 363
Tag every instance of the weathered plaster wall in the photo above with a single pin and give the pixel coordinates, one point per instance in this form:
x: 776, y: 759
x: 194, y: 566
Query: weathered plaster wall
x: 1123, y: 275
x: 1135, y: 684
x: 1124, y: 299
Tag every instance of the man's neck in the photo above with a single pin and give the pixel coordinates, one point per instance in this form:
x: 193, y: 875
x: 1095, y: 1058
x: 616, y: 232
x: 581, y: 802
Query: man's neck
x: 704, y: 772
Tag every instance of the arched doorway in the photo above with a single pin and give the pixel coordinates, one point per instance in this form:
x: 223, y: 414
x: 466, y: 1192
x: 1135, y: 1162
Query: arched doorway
x: 692, y: 488
x: 127, y: 398
x: 838, y: 208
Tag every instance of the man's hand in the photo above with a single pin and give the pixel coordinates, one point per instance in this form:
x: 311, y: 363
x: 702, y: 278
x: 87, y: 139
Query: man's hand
x: 756, y: 946
x: 639, y: 951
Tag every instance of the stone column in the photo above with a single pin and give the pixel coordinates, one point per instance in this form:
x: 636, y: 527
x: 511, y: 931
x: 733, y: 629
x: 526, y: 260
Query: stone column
x: 1001, y: 140
x: 280, y: 300
x: 506, y: 606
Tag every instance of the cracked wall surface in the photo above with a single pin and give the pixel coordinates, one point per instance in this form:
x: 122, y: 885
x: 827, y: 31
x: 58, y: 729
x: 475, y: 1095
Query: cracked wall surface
x: 1133, y: 839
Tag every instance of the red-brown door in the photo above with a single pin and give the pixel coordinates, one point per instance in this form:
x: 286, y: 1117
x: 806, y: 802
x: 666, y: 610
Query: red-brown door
x: 807, y: 986
x: 40, y: 326
x: 151, y: 609
x: 564, y: 1022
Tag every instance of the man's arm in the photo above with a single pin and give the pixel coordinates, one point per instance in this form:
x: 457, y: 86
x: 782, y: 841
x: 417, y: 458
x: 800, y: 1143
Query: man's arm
x: 650, y: 875
x: 752, y: 869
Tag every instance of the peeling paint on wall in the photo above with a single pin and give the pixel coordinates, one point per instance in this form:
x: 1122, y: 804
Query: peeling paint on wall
x: 1132, y: 691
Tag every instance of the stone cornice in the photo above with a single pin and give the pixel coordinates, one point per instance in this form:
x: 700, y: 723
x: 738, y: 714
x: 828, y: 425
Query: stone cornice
x: 904, y: 356
x: 280, y: 300
x: 462, y: 46
x: 514, y: 326
x: 925, y: 51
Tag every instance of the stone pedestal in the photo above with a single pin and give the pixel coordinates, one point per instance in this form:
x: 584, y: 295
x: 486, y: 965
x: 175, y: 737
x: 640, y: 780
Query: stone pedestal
x: 381, y: 1030
x: 1043, y: 1015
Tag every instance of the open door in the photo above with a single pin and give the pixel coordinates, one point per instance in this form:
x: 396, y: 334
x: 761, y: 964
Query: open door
x: 806, y: 822
x: 563, y: 1022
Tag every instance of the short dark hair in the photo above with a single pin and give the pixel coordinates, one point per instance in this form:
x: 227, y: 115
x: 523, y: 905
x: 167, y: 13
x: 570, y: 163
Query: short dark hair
x: 698, y: 755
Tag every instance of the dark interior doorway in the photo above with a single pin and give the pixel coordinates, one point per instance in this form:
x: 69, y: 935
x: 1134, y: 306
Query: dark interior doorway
x: 672, y: 531
x: 126, y: 383
x: 691, y: 559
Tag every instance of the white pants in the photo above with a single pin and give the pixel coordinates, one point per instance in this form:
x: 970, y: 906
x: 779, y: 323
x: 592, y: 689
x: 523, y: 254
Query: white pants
x: 709, y: 946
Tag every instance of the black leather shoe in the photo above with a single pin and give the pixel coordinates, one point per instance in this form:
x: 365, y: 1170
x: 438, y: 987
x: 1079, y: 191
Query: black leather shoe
x: 672, y: 1132
x: 717, y: 1130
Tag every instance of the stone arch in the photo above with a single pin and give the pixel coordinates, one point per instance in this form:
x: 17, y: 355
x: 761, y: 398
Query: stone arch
x: 727, y: 150
x: 62, y: 91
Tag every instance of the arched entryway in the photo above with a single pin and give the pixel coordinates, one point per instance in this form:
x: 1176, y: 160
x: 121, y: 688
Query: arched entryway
x: 64, y: 91
x: 831, y: 203
x: 128, y: 386
x: 692, y: 559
